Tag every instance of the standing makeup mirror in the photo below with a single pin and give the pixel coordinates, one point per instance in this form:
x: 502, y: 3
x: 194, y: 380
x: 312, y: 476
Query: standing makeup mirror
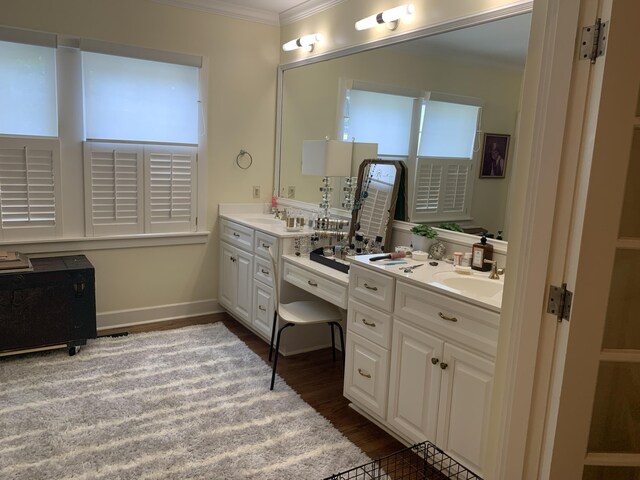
x: 381, y: 190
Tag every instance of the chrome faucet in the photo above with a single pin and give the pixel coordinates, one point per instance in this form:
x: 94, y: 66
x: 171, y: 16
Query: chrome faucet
x: 281, y: 214
x: 493, y: 275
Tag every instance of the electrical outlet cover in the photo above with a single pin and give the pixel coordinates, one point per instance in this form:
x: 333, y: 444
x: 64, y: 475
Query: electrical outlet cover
x: 256, y: 191
x: 292, y: 192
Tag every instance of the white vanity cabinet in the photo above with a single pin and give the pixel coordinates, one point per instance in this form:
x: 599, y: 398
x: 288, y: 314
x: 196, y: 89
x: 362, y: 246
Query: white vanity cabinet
x: 236, y: 273
x: 246, y: 277
x: 440, y: 354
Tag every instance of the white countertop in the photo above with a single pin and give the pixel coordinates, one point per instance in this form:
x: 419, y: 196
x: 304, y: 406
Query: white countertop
x: 428, y: 276
x: 266, y: 223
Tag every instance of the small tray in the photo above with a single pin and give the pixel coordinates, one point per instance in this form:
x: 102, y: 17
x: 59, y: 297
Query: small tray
x: 317, y: 256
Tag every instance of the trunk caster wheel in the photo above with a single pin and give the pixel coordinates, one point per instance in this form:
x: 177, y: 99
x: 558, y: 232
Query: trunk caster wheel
x: 73, y: 351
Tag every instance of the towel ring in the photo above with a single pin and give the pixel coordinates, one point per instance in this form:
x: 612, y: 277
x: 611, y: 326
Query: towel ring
x: 241, y: 154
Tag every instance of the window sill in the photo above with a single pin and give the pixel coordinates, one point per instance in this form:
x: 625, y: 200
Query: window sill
x: 106, y: 243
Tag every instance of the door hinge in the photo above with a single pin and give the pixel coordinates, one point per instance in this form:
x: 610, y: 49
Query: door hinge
x: 559, y: 303
x: 593, y: 41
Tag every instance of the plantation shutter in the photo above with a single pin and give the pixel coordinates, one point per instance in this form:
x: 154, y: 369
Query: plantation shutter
x: 443, y: 189
x: 170, y: 174
x: 378, y: 200
x: 29, y: 187
x: 113, y: 182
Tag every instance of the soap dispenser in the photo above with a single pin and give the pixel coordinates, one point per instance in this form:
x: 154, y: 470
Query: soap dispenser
x: 480, y: 252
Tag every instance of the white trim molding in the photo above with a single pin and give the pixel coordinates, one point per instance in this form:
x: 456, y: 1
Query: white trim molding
x: 160, y: 313
x: 306, y: 9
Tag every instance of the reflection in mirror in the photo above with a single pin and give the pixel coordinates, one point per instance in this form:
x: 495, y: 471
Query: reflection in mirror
x: 380, y: 192
x: 480, y: 66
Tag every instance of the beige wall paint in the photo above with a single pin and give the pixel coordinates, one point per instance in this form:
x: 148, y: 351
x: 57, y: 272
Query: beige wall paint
x: 243, y: 57
x: 311, y: 102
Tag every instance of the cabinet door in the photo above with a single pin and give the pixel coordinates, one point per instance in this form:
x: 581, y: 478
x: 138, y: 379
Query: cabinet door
x: 465, y: 401
x: 366, y: 374
x: 228, y: 276
x: 244, y: 290
x: 414, y: 382
x: 262, y: 308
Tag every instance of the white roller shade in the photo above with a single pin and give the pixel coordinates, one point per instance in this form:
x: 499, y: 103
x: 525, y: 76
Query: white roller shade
x: 28, y: 102
x: 139, y: 100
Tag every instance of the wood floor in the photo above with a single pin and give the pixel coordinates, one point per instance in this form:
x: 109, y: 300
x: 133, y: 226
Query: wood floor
x: 314, y: 376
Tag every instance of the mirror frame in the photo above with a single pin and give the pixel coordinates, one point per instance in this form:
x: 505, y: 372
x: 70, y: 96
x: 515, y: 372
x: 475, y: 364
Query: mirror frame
x: 486, y: 17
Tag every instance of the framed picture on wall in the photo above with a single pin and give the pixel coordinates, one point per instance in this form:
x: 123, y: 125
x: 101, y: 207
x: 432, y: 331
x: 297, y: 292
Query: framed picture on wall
x: 494, y: 155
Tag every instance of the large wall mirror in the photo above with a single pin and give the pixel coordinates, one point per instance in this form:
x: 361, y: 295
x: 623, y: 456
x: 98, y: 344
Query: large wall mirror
x: 480, y: 66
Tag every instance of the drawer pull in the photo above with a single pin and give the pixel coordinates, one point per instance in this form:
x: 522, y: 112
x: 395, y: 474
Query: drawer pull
x: 232, y: 259
x: 237, y: 235
x: 445, y: 317
x: 363, y: 373
x: 368, y: 287
x: 313, y: 284
x: 435, y: 360
x: 264, y: 272
x: 265, y: 245
x: 260, y: 307
x: 368, y: 324
x: 444, y: 365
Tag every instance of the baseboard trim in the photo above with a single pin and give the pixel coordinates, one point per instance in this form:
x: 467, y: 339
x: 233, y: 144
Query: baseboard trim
x: 160, y: 313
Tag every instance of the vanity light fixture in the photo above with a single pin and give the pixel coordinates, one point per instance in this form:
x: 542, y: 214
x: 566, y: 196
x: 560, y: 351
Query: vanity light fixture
x: 389, y: 17
x: 305, y: 42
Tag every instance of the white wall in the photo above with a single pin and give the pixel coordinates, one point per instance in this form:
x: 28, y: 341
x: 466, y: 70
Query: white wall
x: 243, y: 57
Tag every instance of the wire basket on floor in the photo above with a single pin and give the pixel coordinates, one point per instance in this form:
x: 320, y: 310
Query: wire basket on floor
x: 419, y: 462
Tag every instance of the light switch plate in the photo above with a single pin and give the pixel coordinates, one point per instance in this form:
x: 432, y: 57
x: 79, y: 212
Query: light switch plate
x: 256, y: 191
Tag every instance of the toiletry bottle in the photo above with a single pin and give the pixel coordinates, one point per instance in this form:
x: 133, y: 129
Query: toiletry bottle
x: 480, y: 252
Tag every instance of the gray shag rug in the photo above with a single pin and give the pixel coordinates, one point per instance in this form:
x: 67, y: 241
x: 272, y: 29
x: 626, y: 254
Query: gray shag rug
x: 192, y: 403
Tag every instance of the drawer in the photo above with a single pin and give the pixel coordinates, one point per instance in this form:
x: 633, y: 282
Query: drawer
x: 263, y: 271
x: 371, y: 324
x: 366, y: 375
x: 374, y: 289
x: 262, y: 242
x: 454, y: 320
x: 317, y: 285
x: 237, y: 235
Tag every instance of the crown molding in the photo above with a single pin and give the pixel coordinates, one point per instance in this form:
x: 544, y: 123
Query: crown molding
x: 226, y: 9
x: 306, y: 9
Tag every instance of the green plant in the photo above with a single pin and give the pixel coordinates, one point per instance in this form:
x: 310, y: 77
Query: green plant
x: 451, y: 226
x: 424, y: 231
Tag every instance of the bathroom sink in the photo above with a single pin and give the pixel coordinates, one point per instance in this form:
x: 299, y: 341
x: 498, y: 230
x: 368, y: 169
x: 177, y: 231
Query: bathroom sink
x: 477, y: 286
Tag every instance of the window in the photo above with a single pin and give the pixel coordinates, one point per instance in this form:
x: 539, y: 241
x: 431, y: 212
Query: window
x: 28, y: 90
x: 435, y: 134
x: 139, y: 100
x: 445, y: 161
x: 137, y: 114
x: 29, y: 151
x: 139, y: 187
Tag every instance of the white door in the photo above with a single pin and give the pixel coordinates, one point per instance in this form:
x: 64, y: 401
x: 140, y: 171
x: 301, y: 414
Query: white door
x: 228, y: 276
x: 465, y: 403
x: 414, y: 382
x: 593, y: 423
x: 244, y: 299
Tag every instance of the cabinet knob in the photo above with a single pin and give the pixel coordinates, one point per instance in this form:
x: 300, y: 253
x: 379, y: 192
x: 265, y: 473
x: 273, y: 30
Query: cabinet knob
x: 446, y: 317
x: 363, y: 373
x: 368, y: 324
x: 444, y: 365
x: 435, y: 360
x: 369, y: 287
x: 232, y: 259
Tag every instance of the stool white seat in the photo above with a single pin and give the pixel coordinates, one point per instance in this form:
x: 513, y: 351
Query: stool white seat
x: 303, y: 312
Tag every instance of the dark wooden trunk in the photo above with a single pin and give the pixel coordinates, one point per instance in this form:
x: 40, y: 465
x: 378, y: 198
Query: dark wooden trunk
x: 53, y: 304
